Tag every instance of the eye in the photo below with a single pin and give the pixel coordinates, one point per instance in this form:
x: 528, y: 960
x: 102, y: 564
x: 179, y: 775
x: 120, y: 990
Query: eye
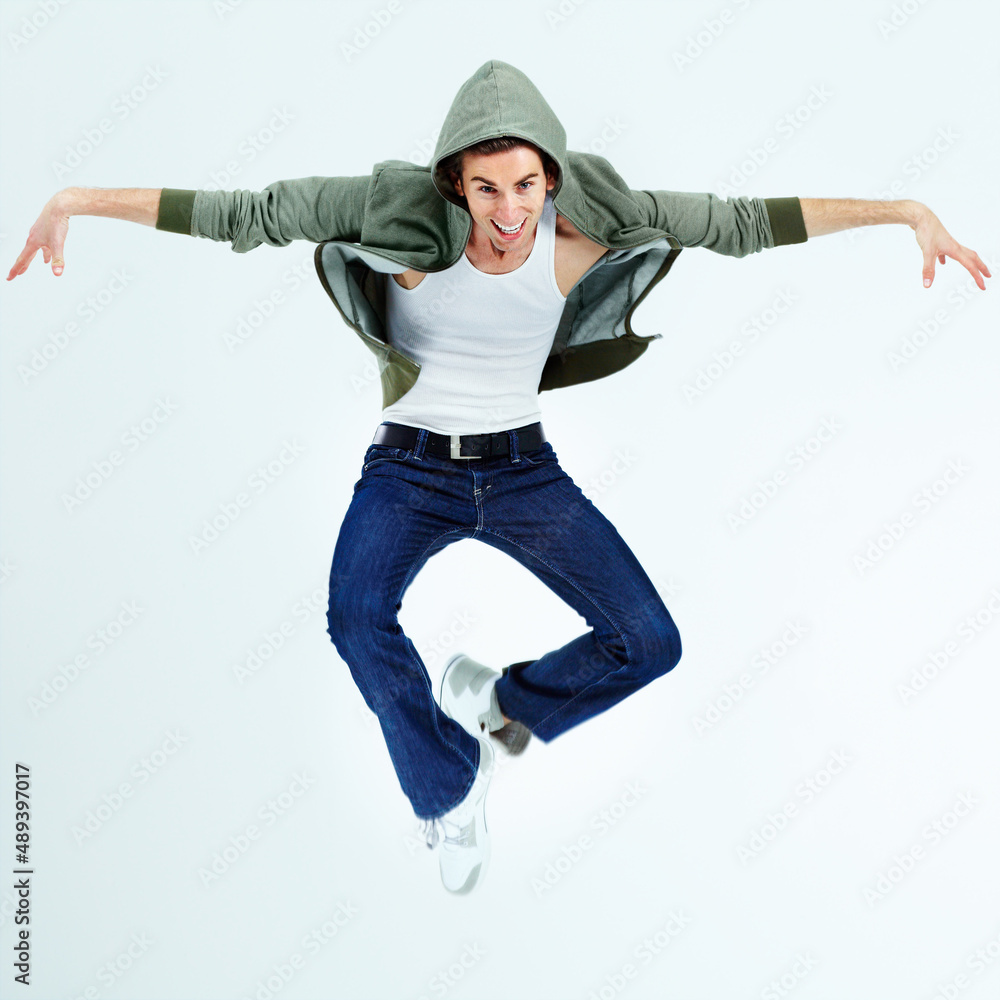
x: 488, y: 187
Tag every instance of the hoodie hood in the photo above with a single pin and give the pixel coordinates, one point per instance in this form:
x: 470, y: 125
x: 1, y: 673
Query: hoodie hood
x: 498, y: 99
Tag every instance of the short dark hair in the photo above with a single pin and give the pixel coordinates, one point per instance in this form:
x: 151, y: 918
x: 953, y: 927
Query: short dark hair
x: 451, y: 166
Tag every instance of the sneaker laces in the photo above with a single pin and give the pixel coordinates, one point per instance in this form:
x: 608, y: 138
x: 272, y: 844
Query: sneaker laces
x: 458, y: 836
x: 448, y: 831
x: 430, y: 830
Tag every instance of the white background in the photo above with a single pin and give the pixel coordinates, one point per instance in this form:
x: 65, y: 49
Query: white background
x: 798, y: 916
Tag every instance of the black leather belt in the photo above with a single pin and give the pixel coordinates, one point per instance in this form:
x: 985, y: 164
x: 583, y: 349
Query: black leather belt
x: 464, y: 446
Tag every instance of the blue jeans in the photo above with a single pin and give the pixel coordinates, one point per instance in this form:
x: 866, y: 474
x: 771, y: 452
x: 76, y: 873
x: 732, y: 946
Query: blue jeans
x: 407, y: 505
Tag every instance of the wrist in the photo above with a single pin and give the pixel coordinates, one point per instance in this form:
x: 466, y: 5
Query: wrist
x: 916, y: 212
x: 68, y: 202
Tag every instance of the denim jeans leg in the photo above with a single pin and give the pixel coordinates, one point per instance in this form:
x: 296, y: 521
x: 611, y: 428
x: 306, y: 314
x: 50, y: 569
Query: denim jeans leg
x: 400, y: 515
x: 541, y: 518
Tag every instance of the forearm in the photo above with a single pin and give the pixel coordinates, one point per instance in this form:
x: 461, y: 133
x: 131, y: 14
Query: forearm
x: 130, y: 204
x: 831, y: 215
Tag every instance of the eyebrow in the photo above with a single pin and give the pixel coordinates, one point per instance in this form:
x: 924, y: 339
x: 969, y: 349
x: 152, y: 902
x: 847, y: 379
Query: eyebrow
x: 493, y: 183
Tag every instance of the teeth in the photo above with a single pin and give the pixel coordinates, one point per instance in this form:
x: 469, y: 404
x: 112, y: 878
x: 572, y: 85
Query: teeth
x: 512, y: 229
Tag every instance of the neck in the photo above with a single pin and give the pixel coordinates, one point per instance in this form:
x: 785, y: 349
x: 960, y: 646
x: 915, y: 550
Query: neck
x: 483, y: 247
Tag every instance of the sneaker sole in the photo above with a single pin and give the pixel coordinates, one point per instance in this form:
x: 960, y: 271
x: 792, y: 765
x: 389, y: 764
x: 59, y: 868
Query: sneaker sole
x: 478, y: 873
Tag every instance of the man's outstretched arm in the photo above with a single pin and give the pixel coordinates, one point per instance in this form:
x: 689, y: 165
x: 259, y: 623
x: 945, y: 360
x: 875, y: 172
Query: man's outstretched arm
x: 831, y: 215
x: 306, y: 208
x: 48, y: 234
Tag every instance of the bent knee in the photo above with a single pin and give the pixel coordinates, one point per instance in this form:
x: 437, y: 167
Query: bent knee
x: 350, y: 616
x: 660, y: 649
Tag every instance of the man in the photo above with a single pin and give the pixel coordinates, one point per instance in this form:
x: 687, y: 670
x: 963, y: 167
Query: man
x: 508, y: 266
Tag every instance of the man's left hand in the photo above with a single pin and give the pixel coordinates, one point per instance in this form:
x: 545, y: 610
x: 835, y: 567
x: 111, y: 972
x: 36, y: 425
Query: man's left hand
x: 936, y: 241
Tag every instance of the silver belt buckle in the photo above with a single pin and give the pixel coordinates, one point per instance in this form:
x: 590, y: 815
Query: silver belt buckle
x: 456, y: 448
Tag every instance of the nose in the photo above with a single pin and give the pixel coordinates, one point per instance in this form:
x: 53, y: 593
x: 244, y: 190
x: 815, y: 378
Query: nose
x: 508, y: 210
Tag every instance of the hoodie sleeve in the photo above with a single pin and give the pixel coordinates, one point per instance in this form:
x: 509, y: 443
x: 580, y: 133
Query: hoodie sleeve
x: 735, y: 227
x: 310, y: 208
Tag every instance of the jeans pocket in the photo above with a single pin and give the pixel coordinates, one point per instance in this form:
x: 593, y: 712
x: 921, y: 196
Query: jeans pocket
x: 378, y: 453
x: 537, y: 456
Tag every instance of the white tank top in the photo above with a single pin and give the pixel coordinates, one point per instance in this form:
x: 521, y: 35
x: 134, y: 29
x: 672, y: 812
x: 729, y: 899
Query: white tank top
x: 481, y: 340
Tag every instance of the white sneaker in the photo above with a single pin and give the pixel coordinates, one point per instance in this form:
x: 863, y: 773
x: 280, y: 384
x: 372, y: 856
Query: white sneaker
x: 468, y: 696
x: 464, y: 839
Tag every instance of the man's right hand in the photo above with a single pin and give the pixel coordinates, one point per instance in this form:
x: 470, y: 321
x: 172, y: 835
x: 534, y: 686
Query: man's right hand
x: 48, y: 234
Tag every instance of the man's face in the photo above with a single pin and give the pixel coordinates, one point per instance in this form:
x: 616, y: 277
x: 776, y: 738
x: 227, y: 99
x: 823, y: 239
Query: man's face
x: 505, y: 189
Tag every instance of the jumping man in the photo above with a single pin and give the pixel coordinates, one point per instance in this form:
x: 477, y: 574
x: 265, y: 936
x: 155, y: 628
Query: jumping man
x: 508, y: 266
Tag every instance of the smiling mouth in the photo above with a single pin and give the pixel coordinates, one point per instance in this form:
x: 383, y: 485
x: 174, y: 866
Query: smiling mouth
x: 516, y: 231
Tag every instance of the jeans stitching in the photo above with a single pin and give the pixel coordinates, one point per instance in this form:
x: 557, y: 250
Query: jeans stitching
x: 430, y: 687
x: 385, y: 458
x: 419, y: 560
x: 592, y: 600
x: 466, y: 790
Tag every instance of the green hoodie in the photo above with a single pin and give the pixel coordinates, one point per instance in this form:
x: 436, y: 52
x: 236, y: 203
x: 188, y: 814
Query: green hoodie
x: 407, y: 216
